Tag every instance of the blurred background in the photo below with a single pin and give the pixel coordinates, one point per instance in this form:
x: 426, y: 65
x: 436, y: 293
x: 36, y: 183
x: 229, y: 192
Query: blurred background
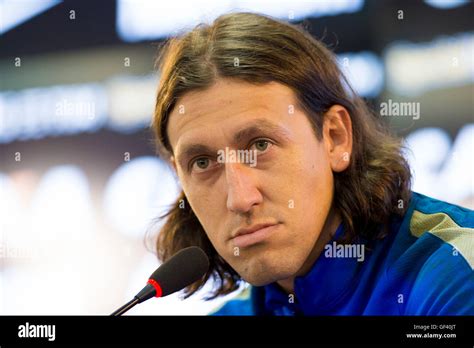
x: 80, y: 184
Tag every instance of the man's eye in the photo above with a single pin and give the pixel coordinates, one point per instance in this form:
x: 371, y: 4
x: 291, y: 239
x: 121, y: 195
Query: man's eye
x: 261, y: 145
x: 201, y: 164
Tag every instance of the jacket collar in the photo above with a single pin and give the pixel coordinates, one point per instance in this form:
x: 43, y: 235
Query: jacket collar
x: 329, y: 281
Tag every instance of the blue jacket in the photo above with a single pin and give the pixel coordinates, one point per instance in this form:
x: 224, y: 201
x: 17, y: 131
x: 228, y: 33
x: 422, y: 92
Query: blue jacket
x: 424, y: 266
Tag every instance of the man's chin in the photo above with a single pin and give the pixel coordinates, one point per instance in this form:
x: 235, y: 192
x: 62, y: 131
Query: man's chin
x: 264, y: 273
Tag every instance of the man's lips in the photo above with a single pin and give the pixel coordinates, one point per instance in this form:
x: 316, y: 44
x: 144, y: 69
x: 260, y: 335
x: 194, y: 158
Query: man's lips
x: 248, y: 236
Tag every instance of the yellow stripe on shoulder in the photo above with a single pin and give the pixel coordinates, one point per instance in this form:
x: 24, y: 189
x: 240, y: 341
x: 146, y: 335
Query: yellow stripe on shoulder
x: 442, y: 226
x: 242, y: 295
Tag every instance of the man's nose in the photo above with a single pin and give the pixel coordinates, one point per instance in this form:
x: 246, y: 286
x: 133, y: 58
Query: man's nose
x: 242, y: 191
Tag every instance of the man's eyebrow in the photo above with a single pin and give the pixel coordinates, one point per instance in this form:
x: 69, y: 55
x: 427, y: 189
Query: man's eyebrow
x: 192, y: 150
x: 255, y: 129
x: 258, y: 127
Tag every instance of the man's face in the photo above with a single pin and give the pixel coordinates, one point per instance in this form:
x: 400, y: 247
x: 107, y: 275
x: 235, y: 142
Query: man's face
x: 287, y: 191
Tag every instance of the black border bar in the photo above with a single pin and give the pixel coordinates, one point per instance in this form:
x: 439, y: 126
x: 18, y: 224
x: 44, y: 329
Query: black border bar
x: 207, y: 330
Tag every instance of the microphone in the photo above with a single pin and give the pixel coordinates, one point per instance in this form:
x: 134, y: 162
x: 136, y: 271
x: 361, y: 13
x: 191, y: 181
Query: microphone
x: 182, y: 269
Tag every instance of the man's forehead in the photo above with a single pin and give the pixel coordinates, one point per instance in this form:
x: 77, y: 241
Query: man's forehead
x: 227, y: 105
x: 229, y: 132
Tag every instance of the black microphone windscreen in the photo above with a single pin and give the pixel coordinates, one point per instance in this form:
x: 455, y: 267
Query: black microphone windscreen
x: 182, y: 269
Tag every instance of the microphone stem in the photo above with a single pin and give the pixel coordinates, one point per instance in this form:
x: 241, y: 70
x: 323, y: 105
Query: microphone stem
x: 125, y: 307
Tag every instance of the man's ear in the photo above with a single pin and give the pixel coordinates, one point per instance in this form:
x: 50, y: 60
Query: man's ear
x: 337, y: 135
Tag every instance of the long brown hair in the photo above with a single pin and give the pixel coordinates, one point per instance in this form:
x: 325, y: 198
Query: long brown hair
x: 258, y: 49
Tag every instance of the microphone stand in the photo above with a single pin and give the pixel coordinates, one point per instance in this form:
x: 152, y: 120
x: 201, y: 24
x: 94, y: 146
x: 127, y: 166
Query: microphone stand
x: 126, y: 307
x: 146, y: 293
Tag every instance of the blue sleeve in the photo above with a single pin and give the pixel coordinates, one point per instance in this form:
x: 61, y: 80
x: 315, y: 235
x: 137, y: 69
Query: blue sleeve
x: 242, y: 304
x: 235, y: 307
x: 444, y: 286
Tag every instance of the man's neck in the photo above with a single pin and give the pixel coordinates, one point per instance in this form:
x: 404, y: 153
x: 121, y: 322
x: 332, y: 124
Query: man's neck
x: 330, y: 226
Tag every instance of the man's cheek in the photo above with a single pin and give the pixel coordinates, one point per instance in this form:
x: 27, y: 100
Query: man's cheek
x: 203, y: 212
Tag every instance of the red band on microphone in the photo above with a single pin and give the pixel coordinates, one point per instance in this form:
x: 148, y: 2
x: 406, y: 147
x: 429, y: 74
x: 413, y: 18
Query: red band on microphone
x: 157, y: 287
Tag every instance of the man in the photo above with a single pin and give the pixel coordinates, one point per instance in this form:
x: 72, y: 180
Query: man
x: 292, y: 185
